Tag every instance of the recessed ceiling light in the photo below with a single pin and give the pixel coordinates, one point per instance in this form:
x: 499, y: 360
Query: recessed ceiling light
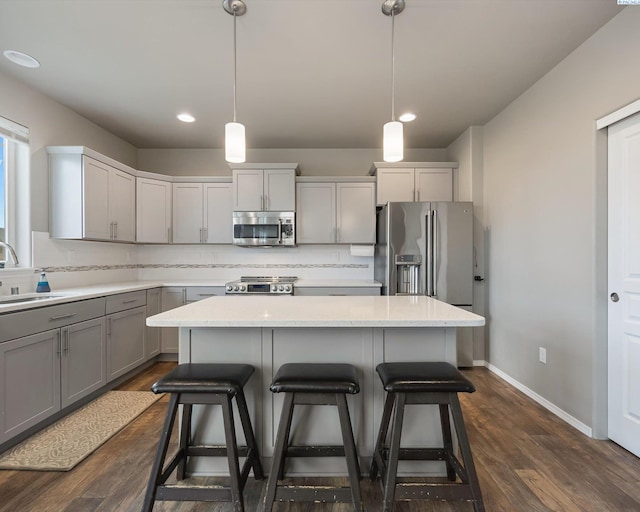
x: 186, y: 118
x: 405, y: 118
x: 21, y: 59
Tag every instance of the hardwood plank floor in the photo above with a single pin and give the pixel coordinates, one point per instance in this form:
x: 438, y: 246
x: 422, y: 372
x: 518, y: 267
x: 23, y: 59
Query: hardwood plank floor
x: 527, y: 459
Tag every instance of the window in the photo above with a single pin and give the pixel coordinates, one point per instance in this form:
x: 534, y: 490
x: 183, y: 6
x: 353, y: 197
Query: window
x: 15, y: 210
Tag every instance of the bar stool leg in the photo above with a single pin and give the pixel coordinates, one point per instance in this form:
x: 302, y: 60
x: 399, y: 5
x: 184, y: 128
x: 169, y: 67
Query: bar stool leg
x: 185, y: 438
x: 382, y: 435
x: 353, y: 467
x: 465, y: 449
x: 447, y: 440
x: 394, y: 452
x: 249, y: 436
x: 161, y: 453
x: 232, y: 454
x: 278, y: 453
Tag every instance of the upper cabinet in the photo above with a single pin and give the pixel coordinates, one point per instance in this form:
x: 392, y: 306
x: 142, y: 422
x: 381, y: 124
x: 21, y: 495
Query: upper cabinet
x: 414, y: 181
x: 90, y: 199
x: 202, y: 213
x: 153, y: 211
x: 262, y: 187
x: 330, y: 212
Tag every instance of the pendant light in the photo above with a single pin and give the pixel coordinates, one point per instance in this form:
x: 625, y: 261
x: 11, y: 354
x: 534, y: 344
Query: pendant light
x: 234, y: 139
x: 392, y: 133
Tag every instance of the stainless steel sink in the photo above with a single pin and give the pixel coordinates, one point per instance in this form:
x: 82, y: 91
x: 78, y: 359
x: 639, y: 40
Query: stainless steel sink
x: 20, y: 300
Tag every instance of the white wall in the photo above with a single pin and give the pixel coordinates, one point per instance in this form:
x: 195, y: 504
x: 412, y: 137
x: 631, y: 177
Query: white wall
x: 313, y: 162
x: 544, y: 208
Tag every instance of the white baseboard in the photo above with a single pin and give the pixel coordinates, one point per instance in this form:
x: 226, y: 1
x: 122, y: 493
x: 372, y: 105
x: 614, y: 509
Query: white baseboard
x: 585, y: 429
x: 479, y: 362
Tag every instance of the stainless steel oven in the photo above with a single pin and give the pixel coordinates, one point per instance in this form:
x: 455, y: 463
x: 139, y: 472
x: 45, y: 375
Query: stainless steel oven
x: 264, y: 229
x: 260, y: 285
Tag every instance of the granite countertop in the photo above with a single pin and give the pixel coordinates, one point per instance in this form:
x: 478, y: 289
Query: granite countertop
x: 314, y: 311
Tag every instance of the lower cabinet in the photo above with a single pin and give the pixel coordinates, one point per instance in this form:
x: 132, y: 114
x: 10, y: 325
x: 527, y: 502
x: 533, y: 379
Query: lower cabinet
x: 48, y: 371
x: 125, y: 341
x: 337, y: 290
x: 172, y: 297
x: 152, y: 334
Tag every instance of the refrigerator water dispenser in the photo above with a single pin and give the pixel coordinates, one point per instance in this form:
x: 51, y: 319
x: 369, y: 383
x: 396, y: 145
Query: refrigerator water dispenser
x: 408, y: 268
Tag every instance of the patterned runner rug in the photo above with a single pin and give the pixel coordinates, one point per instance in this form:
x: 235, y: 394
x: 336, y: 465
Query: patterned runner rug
x: 68, y: 441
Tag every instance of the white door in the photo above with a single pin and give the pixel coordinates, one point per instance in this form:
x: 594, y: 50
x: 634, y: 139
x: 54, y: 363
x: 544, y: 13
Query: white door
x: 153, y: 211
x: 624, y: 283
x: 122, y: 205
x: 316, y: 213
x: 218, y: 213
x: 187, y: 213
x: 395, y: 185
x: 248, y: 190
x: 279, y: 190
x: 97, y: 223
x: 434, y: 184
x: 356, y: 213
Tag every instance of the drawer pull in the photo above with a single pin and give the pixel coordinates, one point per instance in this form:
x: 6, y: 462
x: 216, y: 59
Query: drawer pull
x: 129, y: 301
x: 61, y: 317
x: 206, y: 294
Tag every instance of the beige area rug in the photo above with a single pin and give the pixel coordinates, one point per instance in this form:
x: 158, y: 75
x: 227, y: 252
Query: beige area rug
x: 68, y: 441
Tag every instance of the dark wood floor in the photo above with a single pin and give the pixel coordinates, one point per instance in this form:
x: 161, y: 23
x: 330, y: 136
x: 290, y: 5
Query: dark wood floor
x: 528, y: 460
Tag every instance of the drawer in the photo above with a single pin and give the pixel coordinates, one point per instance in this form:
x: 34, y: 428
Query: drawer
x: 336, y: 290
x: 195, y: 293
x: 124, y: 301
x: 32, y: 321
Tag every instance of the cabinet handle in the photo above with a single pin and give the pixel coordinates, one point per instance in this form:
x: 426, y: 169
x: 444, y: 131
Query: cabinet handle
x: 58, y: 343
x: 418, y: 195
x: 266, y: 202
x: 109, y: 326
x: 206, y: 295
x: 337, y: 234
x: 61, y: 317
x: 111, y: 230
x: 262, y: 202
x: 129, y: 301
x: 184, y: 296
x: 65, y: 333
x: 115, y: 231
x: 201, y: 230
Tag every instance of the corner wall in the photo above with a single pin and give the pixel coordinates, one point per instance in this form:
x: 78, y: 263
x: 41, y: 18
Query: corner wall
x: 544, y: 201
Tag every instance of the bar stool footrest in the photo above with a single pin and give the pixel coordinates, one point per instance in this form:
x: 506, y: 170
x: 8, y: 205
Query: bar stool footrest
x: 193, y: 493
x: 438, y: 492
x: 315, y: 451
x: 315, y: 493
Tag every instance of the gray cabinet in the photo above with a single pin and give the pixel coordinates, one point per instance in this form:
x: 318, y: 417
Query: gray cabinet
x: 29, y: 382
x: 153, y: 211
x: 126, y: 314
x: 335, y: 212
x: 82, y: 359
x: 152, y: 334
x: 90, y: 199
x: 49, y: 358
x: 258, y: 187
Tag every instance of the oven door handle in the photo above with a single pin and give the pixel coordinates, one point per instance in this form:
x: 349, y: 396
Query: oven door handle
x: 280, y: 231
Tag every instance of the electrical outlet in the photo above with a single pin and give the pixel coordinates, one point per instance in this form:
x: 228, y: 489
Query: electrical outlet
x: 542, y: 355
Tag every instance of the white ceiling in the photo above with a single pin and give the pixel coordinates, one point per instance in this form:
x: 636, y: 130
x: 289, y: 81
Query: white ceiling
x: 311, y: 73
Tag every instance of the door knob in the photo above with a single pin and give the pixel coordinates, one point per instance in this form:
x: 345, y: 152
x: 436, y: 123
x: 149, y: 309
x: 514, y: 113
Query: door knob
x: 614, y: 297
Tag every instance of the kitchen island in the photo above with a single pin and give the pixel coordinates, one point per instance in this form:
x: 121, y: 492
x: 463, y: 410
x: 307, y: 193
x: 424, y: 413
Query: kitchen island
x: 363, y: 330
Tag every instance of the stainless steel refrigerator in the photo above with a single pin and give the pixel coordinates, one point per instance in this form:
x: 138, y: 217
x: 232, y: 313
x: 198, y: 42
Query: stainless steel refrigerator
x: 426, y: 248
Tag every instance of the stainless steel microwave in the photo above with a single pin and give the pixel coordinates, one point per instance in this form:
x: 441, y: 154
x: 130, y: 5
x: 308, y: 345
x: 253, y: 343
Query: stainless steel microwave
x: 264, y: 229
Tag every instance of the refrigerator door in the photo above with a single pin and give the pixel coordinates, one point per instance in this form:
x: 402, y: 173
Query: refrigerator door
x: 452, y: 241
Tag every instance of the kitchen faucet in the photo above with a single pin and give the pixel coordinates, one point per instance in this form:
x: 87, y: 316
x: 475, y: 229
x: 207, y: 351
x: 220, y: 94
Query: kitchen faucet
x: 11, y: 252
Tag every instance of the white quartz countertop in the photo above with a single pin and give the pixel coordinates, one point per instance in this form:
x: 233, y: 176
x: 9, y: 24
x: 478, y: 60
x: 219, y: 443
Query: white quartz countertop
x: 313, y: 311
x: 60, y: 296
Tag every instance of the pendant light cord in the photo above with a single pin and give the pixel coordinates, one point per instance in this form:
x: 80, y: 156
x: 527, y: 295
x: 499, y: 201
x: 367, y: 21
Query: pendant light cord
x: 393, y: 67
x: 235, y: 65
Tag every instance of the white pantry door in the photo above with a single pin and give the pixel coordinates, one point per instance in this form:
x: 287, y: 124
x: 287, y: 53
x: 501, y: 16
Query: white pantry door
x: 624, y: 283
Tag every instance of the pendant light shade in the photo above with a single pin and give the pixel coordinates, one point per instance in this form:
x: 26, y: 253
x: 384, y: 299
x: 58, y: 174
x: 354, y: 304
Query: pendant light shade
x: 234, y: 143
x: 393, y: 142
x: 234, y: 138
x: 392, y: 134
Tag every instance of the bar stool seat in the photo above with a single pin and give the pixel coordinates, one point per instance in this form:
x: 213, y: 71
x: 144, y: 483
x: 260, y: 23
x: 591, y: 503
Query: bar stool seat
x: 424, y: 383
x: 314, y: 384
x: 207, y: 384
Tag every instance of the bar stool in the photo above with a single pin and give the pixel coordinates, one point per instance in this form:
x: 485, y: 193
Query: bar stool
x: 425, y: 383
x: 210, y: 384
x: 314, y: 384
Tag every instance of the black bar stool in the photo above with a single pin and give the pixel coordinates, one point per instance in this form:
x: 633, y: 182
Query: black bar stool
x: 210, y: 384
x: 425, y: 383
x: 314, y: 384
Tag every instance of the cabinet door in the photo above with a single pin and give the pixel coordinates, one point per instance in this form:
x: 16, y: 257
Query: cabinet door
x: 122, y: 205
x: 95, y: 197
x: 356, y: 213
x: 218, y: 213
x: 125, y: 341
x: 83, y: 359
x: 152, y: 338
x: 153, y: 211
x: 279, y: 190
x: 395, y: 185
x: 29, y: 381
x: 316, y: 213
x: 434, y: 184
x: 187, y: 213
x: 172, y: 297
x: 248, y: 195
